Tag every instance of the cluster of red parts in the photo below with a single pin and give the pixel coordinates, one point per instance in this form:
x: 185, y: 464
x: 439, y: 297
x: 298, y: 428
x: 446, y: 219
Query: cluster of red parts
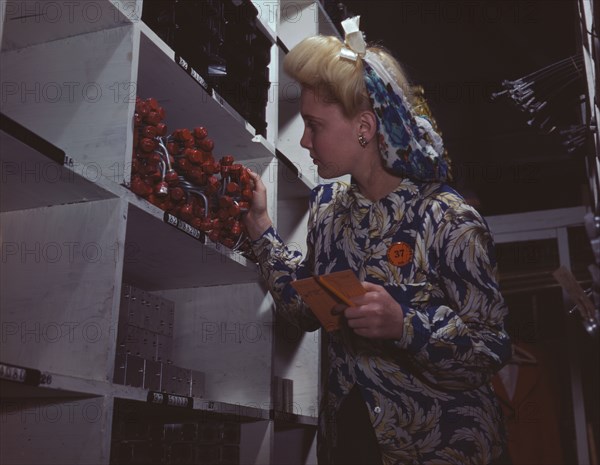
x: 179, y: 174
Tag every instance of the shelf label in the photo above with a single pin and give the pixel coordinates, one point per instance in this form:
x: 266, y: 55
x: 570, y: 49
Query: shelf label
x: 192, y: 72
x: 12, y: 373
x: 179, y: 401
x: 156, y: 397
x: 183, y: 226
x: 24, y: 375
x: 181, y: 62
x: 199, y: 79
x: 172, y: 400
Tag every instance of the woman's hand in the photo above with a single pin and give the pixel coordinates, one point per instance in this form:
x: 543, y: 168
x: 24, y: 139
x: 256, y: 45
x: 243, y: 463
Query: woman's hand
x: 257, y: 219
x: 375, y: 314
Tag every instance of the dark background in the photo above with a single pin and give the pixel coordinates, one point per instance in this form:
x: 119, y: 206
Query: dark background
x: 461, y: 51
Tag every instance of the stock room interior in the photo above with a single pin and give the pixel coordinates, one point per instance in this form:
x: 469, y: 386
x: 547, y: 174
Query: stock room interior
x: 130, y: 334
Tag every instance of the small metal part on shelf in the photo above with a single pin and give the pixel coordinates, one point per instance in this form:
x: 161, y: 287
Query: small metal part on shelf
x: 144, y: 356
x: 283, y: 394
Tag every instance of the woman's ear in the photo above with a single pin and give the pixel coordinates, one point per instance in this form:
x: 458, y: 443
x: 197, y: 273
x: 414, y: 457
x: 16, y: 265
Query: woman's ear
x: 367, y: 124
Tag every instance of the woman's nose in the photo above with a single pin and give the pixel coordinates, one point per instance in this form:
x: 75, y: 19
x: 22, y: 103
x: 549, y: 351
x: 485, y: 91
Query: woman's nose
x: 305, y: 140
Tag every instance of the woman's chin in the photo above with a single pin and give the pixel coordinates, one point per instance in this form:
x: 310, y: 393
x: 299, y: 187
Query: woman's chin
x: 328, y: 172
x: 325, y: 174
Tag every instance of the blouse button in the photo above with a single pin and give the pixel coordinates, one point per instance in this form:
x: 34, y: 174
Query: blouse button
x: 377, y: 409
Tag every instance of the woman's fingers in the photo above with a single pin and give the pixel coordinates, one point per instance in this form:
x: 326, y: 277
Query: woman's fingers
x: 375, y: 314
x: 257, y: 219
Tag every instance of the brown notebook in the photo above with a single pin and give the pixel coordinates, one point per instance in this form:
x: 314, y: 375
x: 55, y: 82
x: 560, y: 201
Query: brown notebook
x: 323, y: 293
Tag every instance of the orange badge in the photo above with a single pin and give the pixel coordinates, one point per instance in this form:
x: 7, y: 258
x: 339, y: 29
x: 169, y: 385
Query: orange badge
x: 400, y: 254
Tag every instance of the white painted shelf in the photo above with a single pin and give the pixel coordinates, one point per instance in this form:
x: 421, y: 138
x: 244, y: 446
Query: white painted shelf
x: 159, y: 256
x: 36, y: 173
x: 72, y: 233
x: 29, y: 23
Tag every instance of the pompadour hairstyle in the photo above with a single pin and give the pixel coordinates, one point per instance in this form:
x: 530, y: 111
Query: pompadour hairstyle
x: 315, y: 63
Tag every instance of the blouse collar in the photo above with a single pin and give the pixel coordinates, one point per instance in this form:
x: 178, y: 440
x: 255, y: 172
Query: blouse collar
x: 407, y: 189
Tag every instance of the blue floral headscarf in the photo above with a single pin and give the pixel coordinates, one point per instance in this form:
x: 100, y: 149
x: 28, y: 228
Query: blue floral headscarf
x: 408, y: 143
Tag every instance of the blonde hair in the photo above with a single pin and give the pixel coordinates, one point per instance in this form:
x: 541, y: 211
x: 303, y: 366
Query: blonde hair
x: 315, y: 63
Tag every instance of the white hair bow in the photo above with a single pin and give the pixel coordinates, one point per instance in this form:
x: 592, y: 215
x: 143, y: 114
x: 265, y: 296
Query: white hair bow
x: 354, y: 40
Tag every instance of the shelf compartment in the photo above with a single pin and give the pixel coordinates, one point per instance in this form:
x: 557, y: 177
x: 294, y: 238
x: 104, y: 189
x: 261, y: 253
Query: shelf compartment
x: 297, y: 19
x: 189, y: 101
x: 159, y: 256
x: 48, y: 430
x: 303, y: 18
x: 75, y: 93
x: 36, y: 173
x: 227, y: 46
x: 267, y: 17
x: 326, y: 25
x: 212, y: 326
x: 226, y: 333
x: 29, y: 23
x: 177, y: 435
x: 295, y: 389
x: 294, y: 438
x: 58, y: 275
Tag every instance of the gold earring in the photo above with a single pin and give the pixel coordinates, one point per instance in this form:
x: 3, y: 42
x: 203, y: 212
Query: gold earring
x: 362, y: 141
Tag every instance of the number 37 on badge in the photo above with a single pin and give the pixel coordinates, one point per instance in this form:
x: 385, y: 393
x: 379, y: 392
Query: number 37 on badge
x: 399, y: 253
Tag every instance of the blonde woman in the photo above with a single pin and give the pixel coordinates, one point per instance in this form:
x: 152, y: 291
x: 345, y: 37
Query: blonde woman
x: 409, y: 374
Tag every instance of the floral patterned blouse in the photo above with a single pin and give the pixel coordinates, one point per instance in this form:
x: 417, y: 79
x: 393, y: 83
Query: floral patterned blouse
x: 428, y: 393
